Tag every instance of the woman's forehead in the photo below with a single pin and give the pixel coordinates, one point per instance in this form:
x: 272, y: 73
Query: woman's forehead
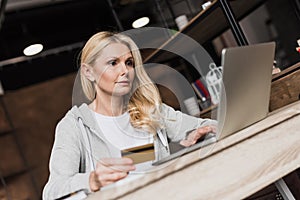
x: 115, y: 50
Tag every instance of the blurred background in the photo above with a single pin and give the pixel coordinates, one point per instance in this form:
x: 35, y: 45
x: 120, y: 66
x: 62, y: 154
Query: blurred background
x: 36, y: 90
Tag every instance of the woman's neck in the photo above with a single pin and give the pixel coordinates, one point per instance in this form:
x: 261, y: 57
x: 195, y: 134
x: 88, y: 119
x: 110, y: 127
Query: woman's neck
x: 109, y: 107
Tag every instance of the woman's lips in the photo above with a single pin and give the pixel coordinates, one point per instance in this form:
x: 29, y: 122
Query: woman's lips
x: 123, y: 82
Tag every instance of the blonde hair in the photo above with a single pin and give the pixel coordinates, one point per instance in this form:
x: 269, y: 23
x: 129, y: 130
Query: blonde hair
x: 144, y: 101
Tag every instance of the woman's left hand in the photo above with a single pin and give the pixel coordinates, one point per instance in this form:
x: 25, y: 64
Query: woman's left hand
x: 197, y: 134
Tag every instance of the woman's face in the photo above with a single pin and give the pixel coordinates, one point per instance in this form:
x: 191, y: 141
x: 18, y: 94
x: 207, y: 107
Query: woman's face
x: 114, y: 70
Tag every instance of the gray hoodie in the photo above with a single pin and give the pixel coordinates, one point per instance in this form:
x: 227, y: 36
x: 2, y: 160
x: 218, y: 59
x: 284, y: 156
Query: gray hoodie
x: 78, y: 136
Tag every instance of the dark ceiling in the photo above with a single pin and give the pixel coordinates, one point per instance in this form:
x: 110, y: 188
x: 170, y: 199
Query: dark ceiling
x: 62, y: 26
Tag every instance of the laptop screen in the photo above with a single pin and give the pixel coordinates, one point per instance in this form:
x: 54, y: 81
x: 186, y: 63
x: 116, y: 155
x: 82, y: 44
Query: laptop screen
x: 245, y: 94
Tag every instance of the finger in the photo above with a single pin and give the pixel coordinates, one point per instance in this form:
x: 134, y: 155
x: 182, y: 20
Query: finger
x: 205, y: 129
x: 112, y: 169
x: 108, y: 183
x: 106, y: 179
x: 103, y: 169
x: 198, y: 133
x: 94, y: 182
x: 185, y: 143
x: 201, y: 133
x: 122, y: 168
x: 195, y: 135
x: 116, y: 161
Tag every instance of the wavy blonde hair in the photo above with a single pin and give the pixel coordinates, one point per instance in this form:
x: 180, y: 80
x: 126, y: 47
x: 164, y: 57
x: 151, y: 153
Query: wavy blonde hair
x: 144, y: 101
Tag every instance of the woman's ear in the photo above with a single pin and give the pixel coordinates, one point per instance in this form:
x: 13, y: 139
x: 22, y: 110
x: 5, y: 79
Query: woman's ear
x: 87, y: 71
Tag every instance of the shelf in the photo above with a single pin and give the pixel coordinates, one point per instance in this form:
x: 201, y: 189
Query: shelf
x: 209, y: 109
x: 286, y: 71
x: 205, y: 26
x: 284, y: 90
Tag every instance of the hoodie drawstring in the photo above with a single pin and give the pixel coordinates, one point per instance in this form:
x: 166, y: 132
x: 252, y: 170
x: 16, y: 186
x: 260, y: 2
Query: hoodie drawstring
x: 87, y: 144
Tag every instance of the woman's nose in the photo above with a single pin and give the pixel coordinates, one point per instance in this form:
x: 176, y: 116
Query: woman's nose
x: 124, y: 68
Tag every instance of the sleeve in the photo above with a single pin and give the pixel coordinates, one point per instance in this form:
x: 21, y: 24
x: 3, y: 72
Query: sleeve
x: 64, y: 164
x: 178, y: 124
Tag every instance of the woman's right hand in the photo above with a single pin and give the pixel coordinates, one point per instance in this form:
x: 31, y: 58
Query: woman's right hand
x: 110, y: 170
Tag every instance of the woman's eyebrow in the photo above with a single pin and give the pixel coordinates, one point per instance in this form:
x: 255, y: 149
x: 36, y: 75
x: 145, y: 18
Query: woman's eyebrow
x: 112, y: 58
x: 127, y: 56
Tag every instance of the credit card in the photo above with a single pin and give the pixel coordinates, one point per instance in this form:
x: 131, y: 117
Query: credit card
x: 140, y: 154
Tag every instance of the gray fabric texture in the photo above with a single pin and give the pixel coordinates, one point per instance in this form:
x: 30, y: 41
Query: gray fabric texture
x: 69, y: 167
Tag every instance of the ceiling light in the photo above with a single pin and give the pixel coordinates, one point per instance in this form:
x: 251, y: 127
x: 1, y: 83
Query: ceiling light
x: 33, y: 49
x: 140, y: 22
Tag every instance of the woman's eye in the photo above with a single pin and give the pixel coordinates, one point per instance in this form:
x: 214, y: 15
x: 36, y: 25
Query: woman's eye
x: 129, y: 63
x: 112, y: 62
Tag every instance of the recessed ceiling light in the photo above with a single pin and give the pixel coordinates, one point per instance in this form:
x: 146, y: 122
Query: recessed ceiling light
x: 33, y: 49
x: 143, y: 21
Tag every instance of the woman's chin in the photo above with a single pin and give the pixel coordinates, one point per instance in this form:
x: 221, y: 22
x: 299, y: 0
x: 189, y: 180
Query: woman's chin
x: 121, y: 91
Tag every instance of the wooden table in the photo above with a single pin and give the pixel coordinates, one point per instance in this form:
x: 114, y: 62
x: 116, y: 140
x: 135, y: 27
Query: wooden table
x: 233, y: 168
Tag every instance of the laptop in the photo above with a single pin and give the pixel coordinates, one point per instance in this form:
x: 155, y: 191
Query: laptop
x: 244, y: 96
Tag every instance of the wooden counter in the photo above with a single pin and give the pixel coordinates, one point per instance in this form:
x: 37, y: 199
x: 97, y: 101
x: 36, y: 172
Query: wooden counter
x: 233, y: 168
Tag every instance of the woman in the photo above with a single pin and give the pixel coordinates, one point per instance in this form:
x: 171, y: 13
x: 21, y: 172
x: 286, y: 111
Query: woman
x: 125, y: 110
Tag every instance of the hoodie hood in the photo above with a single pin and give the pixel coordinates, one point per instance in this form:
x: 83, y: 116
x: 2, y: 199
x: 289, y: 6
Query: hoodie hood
x: 86, y: 115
